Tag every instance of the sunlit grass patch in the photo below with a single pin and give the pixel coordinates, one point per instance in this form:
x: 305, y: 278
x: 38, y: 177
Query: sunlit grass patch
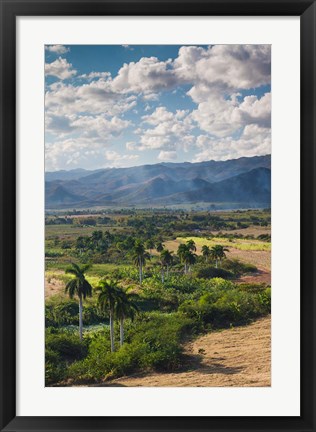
x: 241, y: 244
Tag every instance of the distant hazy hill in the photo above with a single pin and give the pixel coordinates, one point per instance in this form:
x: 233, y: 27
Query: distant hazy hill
x: 67, y: 175
x: 246, y: 180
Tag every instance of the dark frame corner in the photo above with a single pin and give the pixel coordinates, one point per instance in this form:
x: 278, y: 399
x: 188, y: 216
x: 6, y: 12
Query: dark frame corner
x: 9, y: 10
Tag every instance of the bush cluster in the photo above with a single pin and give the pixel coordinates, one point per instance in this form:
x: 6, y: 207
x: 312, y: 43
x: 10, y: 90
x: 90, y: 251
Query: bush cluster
x: 153, y: 342
x: 61, y: 349
x: 238, y: 268
x: 223, y: 308
x: 209, y: 272
x: 65, y: 313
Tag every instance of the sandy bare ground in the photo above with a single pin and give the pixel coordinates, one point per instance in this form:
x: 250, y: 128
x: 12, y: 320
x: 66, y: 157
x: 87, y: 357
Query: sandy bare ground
x: 54, y: 285
x: 238, y: 357
x: 261, y: 259
x: 260, y: 277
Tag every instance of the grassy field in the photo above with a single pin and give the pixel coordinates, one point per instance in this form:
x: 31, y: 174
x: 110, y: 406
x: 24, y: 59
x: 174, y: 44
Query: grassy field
x: 240, y: 244
x: 71, y: 232
x: 56, y: 279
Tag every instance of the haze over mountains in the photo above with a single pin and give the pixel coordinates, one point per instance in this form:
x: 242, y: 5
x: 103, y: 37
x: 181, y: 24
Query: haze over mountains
x: 243, y: 180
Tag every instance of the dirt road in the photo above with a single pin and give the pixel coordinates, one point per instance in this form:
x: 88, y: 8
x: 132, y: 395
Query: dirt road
x: 238, y: 357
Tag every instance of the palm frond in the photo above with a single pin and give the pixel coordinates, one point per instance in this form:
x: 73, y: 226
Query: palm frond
x: 72, y: 288
x: 78, y: 285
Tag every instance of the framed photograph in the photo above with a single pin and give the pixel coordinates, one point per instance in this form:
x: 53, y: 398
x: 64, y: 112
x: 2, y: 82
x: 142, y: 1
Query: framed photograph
x: 157, y: 215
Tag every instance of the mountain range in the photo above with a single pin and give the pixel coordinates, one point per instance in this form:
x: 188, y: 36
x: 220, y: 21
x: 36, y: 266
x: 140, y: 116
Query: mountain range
x: 243, y: 180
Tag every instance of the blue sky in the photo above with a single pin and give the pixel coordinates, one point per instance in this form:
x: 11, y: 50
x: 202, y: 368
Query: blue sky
x: 116, y: 106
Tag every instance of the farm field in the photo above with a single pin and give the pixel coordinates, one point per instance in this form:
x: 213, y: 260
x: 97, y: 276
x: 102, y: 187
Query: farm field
x: 254, y: 231
x: 200, y: 277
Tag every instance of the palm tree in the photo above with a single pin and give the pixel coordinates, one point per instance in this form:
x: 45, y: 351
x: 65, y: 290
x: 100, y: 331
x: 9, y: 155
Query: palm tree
x: 78, y: 286
x: 81, y: 244
x: 206, y: 252
x: 166, y: 260
x: 182, y: 250
x: 217, y: 253
x: 108, y: 295
x: 214, y: 254
x: 140, y: 256
x: 124, y: 308
x: 159, y: 247
x: 186, y: 256
x: 221, y: 252
x: 189, y: 259
x: 96, y: 236
x: 191, y: 245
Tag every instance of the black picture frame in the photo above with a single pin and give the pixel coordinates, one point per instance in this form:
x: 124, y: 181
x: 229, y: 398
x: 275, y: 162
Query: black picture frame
x: 10, y: 9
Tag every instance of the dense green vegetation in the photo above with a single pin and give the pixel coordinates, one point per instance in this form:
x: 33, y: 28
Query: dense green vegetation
x: 135, y: 284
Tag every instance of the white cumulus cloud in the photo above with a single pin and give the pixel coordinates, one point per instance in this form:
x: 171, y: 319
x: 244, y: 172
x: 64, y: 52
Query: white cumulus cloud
x: 92, y: 75
x: 167, y: 155
x: 254, y: 141
x: 147, y: 75
x: 168, y: 131
x: 57, y: 49
x: 97, y: 127
x: 119, y: 160
x: 93, y: 98
x: 60, y: 68
x: 225, y: 66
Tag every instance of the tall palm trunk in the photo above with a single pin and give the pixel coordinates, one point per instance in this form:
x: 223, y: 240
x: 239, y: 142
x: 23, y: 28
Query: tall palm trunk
x: 80, y: 317
x: 167, y: 271
x: 185, y: 268
x: 112, y: 329
x: 216, y: 263
x: 162, y: 275
x: 121, y: 331
x: 140, y: 271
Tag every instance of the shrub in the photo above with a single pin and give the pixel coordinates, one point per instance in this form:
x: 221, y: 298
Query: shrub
x: 223, y: 308
x: 153, y: 342
x: 53, y: 254
x: 265, y: 300
x: 209, y: 272
x: 95, y: 365
x: 238, y: 268
x: 61, y: 312
x: 64, y: 313
x: 162, y: 335
x: 252, y: 287
x: 61, y: 349
x: 65, y: 346
x: 53, y: 373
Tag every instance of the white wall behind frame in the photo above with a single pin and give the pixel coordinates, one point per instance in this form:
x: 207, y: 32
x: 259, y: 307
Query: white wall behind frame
x: 283, y: 397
